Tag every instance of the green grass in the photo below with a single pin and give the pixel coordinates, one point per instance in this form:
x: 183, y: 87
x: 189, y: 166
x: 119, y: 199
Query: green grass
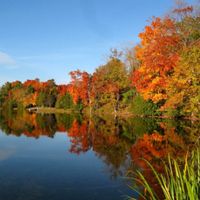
x: 179, y: 181
x: 50, y: 110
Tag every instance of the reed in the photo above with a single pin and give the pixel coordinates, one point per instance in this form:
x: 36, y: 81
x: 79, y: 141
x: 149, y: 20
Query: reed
x: 179, y: 181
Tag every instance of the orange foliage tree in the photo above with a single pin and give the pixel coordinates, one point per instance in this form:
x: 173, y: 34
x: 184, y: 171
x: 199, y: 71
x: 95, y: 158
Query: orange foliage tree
x: 158, y: 56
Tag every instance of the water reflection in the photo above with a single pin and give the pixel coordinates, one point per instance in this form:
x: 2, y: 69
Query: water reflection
x: 118, y: 143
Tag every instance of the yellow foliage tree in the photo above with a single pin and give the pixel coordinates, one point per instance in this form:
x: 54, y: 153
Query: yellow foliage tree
x: 184, y: 86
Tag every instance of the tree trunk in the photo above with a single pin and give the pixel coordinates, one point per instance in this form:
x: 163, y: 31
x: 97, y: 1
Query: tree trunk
x: 117, y: 104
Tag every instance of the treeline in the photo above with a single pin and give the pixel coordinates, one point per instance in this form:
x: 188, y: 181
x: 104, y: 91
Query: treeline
x: 159, y: 76
x: 31, y: 93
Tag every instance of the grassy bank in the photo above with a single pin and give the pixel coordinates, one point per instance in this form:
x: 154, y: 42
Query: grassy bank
x: 54, y: 110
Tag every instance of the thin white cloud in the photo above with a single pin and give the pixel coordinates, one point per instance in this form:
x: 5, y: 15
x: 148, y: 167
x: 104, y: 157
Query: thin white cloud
x: 6, y: 60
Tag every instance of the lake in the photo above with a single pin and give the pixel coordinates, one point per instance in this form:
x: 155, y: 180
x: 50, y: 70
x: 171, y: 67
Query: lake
x: 61, y: 156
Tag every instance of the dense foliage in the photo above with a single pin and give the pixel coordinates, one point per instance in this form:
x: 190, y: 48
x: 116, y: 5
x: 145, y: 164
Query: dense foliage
x: 159, y: 76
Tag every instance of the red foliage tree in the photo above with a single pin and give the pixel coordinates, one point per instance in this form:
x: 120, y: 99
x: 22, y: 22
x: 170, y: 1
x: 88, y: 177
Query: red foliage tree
x: 79, y: 86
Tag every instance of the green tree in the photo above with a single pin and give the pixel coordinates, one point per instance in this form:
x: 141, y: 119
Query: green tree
x: 65, y: 102
x: 79, y: 105
x: 144, y: 107
x: 5, y: 93
x: 40, y: 99
x: 109, y: 82
x: 1, y: 100
x: 48, y: 94
x: 30, y: 90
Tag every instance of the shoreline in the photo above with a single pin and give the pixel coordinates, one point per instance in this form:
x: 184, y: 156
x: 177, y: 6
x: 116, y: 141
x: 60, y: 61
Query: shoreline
x: 52, y: 110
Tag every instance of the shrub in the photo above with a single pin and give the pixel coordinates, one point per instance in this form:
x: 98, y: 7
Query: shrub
x: 142, y: 107
x: 65, y: 102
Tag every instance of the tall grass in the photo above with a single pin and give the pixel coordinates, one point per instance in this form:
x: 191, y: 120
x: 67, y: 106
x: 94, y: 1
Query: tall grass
x: 179, y: 182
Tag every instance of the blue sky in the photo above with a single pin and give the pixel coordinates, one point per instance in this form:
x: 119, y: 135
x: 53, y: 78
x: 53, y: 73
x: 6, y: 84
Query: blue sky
x: 48, y: 38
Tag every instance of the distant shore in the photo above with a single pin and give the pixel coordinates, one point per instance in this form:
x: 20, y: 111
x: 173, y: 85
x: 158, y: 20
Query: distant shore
x: 121, y: 114
x: 52, y: 110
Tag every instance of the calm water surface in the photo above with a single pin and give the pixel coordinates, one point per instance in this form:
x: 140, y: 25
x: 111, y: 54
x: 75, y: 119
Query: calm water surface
x: 65, y: 157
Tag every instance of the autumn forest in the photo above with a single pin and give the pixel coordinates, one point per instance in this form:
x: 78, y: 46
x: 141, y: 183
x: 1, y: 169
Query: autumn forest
x: 136, y: 116
x: 157, y: 77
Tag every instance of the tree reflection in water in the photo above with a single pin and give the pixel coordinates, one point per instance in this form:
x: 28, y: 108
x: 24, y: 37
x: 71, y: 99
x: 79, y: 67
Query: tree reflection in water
x: 119, y: 143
